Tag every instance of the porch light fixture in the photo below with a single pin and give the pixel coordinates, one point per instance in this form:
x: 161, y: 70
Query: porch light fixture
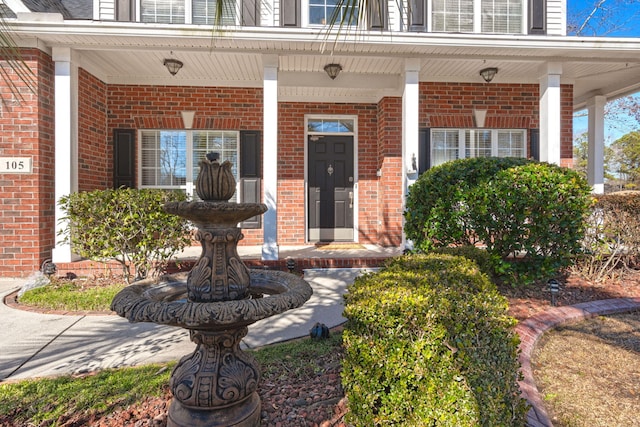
x: 173, y: 65
x: 488, y: 73
x: 333, y: 70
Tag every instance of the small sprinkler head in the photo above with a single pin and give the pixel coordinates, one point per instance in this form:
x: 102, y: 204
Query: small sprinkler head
x: 554, y: 287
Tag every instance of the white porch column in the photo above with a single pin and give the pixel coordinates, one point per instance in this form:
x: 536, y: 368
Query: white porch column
x: 410, y: 129
x: 550, y: 109
x: 595, y: 152
x: 66, y: 141
x: 270, y: 156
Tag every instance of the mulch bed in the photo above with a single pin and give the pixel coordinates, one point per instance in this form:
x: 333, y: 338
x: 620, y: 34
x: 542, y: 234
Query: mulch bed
x: 319, y: 401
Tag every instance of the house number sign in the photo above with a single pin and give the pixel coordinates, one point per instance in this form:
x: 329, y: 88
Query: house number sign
x: 15, y: 164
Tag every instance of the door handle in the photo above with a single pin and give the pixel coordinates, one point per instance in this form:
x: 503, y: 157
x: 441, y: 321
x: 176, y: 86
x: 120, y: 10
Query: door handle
x: 350, y: 199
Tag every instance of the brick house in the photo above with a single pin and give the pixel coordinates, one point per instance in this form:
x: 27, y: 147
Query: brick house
x: 331, y: 156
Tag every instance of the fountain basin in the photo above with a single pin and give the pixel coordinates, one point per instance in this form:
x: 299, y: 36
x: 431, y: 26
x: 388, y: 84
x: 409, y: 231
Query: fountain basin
x: 164, y: 301
x: 215, y: 214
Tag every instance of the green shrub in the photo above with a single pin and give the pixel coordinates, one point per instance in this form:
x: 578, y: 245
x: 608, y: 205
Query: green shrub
x: 437, y: 211
x: 428, y: 342
x: 535, y: 212
x: 473, y: 253
x: 611, y: 243
x: 530, y: 215
x: 127, y: 225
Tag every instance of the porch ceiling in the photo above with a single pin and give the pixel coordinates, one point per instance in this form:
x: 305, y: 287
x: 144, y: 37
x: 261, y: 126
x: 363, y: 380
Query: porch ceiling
x: 372, y: 65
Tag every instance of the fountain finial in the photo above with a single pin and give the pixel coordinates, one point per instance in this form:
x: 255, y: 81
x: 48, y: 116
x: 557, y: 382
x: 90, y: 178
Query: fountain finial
x: 215, y: 181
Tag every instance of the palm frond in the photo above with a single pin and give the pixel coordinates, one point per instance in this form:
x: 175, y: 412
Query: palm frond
x: 13, y: 69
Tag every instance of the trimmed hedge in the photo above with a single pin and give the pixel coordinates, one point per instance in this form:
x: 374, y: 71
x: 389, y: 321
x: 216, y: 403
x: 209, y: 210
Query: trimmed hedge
x: 428, y: 342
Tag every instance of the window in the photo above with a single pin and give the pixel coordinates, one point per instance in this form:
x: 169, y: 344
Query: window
x: 451, y: 144
x: 188, y: 11
x: 169, y: 158
x: 162, y: 11
x: 321, y: 12
x: 452, y: 16
x: 475, y: 16
x: 204, y: 12
x: 502, y: 16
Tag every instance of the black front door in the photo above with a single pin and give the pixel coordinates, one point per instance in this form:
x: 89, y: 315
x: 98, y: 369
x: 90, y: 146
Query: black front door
x: 331, y: 193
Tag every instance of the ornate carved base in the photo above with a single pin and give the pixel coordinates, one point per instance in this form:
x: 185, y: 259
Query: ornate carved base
x: 217, y: 382
x: 243, y: 414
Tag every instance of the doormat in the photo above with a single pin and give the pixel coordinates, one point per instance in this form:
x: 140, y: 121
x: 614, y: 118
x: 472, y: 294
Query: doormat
x: 338, y: 246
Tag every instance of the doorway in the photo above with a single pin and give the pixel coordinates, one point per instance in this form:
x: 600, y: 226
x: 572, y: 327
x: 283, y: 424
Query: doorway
x: 330, y: 198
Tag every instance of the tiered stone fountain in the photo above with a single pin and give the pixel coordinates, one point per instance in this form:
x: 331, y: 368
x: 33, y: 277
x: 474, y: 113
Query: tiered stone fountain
x: 216, y: 301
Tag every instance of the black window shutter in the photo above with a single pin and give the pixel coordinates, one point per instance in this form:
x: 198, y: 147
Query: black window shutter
x: 290, y: 13
x: 251, y: 13
x: 377, y: 15
x: 250, y: 173
x: 125, y: 10
x: 424, y: 150
x: 124, y: 142
x: 418, y: 15
x: 534, y: 137
x: 537, y: 17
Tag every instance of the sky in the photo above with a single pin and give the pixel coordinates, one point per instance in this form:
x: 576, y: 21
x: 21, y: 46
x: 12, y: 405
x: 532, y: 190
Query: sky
x: 624, y: 13
x: 628, y: 12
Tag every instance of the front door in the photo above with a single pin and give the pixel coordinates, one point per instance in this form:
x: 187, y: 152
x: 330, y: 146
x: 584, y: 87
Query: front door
x: 330, y: 200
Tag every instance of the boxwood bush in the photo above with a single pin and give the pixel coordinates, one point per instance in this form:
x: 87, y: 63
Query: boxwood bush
x: 532, y: 219
x: 529, y: 215
x: 428, y: 342
x: 437, y: 211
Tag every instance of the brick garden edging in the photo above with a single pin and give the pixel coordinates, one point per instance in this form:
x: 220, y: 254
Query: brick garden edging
x: 532, y: 329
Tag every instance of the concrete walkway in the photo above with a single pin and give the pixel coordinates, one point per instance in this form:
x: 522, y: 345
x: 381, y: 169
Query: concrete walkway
x: 38, y: 345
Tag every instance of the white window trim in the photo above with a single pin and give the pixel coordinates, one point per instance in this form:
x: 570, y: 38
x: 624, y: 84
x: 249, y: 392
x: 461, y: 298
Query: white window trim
x: 189, y: 186
x: 477, y: 14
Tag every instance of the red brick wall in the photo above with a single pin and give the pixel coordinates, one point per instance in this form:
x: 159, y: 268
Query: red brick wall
x: 160, y: 107
x: 566, y: 126
x: 95, y: 151
x: 291, y: 196
x: 390, y: 164
x: 27, y: 127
